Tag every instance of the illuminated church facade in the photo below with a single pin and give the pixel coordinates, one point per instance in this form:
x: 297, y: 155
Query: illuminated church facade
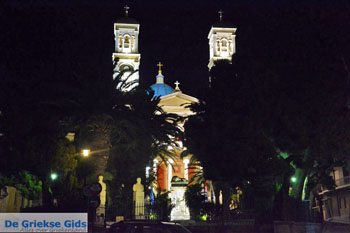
x: 222, y: 46
x: 172, y: 100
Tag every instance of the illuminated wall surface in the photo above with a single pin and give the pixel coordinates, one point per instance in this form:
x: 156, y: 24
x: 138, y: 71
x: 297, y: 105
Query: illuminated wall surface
x: 126, y: 33
x: 180, y: 210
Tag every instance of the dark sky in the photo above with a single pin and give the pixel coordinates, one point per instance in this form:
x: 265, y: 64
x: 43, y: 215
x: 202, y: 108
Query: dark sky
x: 57, y: 39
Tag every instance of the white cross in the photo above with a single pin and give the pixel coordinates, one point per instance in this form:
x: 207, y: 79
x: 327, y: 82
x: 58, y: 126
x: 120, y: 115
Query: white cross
x: 221, y: 12
x: 177, y: 84
x: 126, y: 10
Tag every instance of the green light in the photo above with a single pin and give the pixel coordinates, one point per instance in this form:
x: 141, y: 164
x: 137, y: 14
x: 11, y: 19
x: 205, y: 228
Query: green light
x: 293, y: 179
x: 203, y: 217
x: 303, y: 195
x: 54, y: 176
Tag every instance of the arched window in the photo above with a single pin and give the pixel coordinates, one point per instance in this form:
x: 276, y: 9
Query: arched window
x: 120, y: 42
x: 126, y: 41
x: 132, y: 42
x: 224, y: 45
x: 126, y: 68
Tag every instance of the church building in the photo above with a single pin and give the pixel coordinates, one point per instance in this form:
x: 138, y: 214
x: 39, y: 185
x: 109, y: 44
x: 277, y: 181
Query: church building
x: 174, y: 173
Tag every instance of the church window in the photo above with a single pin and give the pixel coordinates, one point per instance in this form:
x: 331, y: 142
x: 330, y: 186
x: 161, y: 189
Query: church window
x: 218, y: 45
x: 120, y: 42
x: 132, y: 42
x: 126, y: 41
x: 224, y: 43
x: 126, y: 67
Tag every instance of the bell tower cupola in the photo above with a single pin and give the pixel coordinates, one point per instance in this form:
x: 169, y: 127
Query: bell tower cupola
x: 222, y: 43
x: 126, y: 54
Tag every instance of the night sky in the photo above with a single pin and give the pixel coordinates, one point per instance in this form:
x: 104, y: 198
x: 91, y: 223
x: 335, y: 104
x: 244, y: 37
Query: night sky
x: 48, y: 40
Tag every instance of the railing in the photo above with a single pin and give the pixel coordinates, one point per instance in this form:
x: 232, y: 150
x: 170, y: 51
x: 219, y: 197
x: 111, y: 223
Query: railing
x: 342, y: 181
x: 141, y: 211
x: 157, y: 210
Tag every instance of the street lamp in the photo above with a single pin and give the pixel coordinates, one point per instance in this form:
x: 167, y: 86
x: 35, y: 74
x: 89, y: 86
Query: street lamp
x: 86, y: 152
x: 293, y: 179
x: 53, y: 176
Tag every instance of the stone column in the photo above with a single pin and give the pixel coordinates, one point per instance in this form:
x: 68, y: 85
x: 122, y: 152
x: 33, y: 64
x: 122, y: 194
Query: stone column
x: 170, y: 173
x: 186, y: 162
x: 155, y: 172
x: 155, y: 162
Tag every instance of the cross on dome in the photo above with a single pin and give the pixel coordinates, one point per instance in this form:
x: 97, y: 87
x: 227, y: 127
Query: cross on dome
x: 126, y: 7
x: 160, y: 88
x: 159, y: 67
x: 221, y: 12
x: 160, y: 77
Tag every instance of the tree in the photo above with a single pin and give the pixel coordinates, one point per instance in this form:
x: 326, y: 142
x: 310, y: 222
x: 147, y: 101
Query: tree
x: 124, y: 131
x: 263, y: 118
x: 195, y: 200
x: 228, y: 135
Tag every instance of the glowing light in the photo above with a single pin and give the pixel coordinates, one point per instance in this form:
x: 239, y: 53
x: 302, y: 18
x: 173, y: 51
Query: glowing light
x: 293, y: 179
x: 303, y: 195
x: 86, y: 152
x: 147, y: 171
x: 155, y: 161
x: 54, y: 176
x: 204, y: 217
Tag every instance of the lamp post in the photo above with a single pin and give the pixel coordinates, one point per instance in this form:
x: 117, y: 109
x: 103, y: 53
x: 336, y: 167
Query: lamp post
x: 53, y: 177
x: 85, y: 153
x: 293, y: 179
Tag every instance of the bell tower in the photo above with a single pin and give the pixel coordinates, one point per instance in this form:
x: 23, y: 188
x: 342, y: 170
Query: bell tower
x: 222, y: 43
x: 126, y: 54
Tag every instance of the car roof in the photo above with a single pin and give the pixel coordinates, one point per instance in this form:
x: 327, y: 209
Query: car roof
x: 146, y: 222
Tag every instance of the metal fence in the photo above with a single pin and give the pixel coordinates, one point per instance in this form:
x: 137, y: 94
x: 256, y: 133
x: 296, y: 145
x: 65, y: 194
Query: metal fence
x: 156, y: 210
x: 141, y: 211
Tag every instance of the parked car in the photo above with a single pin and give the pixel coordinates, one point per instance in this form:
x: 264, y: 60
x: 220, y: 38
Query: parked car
x: 147, y: 226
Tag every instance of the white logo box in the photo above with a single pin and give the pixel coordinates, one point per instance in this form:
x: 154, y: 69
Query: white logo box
x: 43, y: 222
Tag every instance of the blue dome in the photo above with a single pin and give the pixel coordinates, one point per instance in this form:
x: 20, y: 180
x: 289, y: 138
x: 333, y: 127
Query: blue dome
x: 161, y: 89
